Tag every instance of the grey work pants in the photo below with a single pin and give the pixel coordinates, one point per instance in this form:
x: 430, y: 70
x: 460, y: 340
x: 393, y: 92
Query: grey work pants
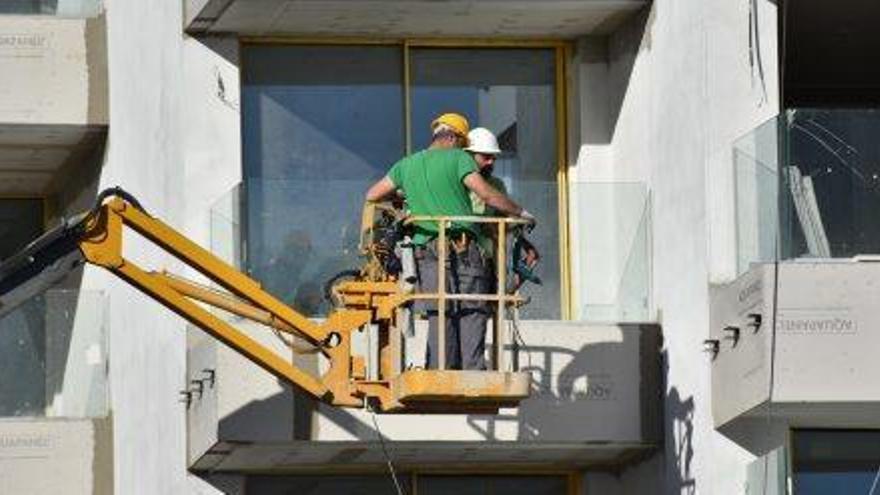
x: 466, y: 273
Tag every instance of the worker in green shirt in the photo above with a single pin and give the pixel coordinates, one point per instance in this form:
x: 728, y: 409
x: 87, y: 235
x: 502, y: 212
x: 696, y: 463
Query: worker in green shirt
x: 437, y: 181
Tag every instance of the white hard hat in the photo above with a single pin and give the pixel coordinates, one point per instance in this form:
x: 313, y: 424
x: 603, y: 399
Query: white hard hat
x: 481, y: 140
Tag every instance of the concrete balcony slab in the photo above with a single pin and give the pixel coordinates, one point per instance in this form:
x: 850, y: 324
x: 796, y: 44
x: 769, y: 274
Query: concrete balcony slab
x: 595, y: 399
x: 817, y: 368
x: 420, y: 18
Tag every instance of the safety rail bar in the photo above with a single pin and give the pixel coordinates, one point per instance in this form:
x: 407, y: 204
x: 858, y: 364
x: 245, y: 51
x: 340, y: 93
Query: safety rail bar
x: 500, y: 298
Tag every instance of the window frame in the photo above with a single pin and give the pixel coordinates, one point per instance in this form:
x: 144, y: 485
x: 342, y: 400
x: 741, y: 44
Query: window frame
x: 562, y: 50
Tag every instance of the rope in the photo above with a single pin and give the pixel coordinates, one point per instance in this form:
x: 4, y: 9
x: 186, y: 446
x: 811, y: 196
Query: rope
x: 388, y: 461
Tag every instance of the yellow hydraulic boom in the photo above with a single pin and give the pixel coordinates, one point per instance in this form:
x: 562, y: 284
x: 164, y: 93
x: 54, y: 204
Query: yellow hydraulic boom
x: 372, y: 298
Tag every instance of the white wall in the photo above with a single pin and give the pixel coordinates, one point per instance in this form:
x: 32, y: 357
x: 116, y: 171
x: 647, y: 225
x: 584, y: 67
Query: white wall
x: 676, y: 90
x: 144, y: 155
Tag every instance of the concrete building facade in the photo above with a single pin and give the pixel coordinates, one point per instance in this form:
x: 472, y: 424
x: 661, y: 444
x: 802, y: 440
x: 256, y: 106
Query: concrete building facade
x: 705, y: 322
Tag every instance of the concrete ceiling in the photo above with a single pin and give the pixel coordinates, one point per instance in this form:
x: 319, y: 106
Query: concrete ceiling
x: 34, y: 157
x: 412, y: 18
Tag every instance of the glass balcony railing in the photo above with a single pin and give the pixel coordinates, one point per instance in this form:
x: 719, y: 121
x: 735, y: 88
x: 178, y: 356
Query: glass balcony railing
x: 53, y: 356
x: 59, y: 8
x: 295, y: 235
x: 611, y: 228
x: 807, y: 186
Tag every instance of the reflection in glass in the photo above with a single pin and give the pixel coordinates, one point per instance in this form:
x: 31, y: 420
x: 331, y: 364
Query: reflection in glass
x: 809, y: 182
x: 612, y: 226
x: 321, y: 112
x: 55, y: 348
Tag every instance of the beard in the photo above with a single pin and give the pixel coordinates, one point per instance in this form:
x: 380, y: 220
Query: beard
x: 486, y: 171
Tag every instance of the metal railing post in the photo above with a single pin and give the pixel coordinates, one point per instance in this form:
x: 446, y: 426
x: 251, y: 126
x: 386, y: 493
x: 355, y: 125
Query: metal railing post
x: 498, y: 339
x: 441, y: 300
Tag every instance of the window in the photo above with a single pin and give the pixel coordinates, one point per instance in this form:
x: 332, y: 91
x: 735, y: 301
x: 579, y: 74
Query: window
x: 322, y: 122
x: 490, y: 485
x: 834, y: 461
x: 23, y: 339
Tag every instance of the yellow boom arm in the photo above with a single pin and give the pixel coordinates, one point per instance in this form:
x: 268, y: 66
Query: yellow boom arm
x: 98, y: 236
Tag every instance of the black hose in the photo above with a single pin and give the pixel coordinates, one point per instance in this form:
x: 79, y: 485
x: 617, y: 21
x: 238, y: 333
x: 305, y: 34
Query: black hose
x: 118, y: 192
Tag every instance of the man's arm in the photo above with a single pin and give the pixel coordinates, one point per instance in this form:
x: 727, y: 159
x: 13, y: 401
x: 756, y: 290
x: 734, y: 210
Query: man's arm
x: 381, y: 189
x: 492, y: 197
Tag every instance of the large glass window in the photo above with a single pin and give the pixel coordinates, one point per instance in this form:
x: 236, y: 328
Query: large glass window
x: 322, y: 122
x: 835, y: 461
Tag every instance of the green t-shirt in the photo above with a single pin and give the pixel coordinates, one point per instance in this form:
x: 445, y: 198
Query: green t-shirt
x: 432, y: 181
x: 487, y: 241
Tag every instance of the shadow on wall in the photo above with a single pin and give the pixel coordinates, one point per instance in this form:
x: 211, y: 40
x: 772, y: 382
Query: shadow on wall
x: 608, y: 391
x: 679, y: 439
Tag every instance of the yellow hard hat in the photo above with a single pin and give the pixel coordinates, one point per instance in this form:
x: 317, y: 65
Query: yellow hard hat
x: 457, y: 122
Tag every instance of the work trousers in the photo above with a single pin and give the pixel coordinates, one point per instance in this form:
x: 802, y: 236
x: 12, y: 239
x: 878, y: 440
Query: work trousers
x: 466, y: 273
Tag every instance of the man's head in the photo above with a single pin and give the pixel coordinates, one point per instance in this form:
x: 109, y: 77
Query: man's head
x: 484, y: 148
x: 449, y: 130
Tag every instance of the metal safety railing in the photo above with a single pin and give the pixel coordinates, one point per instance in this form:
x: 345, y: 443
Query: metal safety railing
x: 500, y: 297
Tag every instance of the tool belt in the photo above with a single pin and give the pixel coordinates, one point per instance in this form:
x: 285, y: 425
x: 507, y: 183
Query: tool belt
x: 458, y: 242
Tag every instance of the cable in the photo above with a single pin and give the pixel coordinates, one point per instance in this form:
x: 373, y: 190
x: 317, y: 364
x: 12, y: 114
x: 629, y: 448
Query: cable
x: 513, y: 318
x: 777, y: 255
x: 385, y: 453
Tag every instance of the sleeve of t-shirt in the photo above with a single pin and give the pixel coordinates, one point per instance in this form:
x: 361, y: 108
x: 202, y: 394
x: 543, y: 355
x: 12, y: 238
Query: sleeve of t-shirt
x: 396, y: 173
x: 465, y: 165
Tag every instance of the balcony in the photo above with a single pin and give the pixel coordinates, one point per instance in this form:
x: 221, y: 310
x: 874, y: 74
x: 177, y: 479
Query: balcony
x: 55, y: 431
x: 53, y: 97
x: 422, y: 18
x: 596, y: 387
x: 796, y: 327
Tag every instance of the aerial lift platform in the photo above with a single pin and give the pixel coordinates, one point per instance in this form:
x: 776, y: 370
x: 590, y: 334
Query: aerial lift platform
x: 370, y: 297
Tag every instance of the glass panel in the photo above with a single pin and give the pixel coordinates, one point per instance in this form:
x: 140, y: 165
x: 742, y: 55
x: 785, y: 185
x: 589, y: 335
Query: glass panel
x: 611, y: 226
x: 834, y: 158
x: 226, y: 236
x: 512, y: 93
x: 301, y: 234
x: 835, y: 461
x: 55, y: 347
x: 321, y: 112
x: 487, y: 485
x: 768, y: 474
x: 820, y: 202
x: 321, y: 123
x: 755, y: 158
x: 324, y: 485
x: 61, y: 8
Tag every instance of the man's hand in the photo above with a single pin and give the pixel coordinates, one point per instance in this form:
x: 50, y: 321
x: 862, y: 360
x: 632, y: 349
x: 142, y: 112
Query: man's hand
x: 525, y: 215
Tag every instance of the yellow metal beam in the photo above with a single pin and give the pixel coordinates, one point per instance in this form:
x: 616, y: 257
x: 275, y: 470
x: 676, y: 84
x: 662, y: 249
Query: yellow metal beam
x: 214, y: 268
x: 153, y: 286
